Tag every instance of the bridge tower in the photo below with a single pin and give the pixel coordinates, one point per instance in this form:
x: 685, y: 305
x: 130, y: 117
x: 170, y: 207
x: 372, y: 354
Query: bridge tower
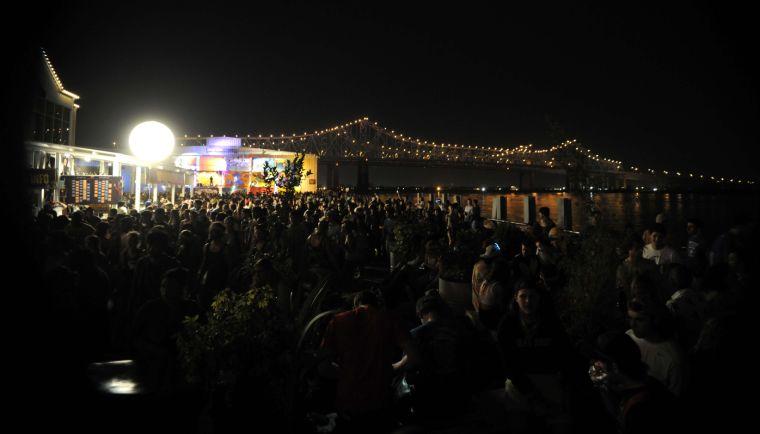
x: 362, y: 177
x: 333, y: 176
x: 526, y: 180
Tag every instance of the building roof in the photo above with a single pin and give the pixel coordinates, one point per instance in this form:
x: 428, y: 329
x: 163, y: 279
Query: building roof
x: 56, y: 79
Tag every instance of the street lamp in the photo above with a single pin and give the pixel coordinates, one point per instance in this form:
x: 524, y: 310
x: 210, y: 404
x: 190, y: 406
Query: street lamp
x: 150, y: 142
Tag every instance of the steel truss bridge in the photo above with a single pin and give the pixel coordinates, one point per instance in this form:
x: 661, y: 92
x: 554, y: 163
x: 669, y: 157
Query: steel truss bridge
x: 364, y: 143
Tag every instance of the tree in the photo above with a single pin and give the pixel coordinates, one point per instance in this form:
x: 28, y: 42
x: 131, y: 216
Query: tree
x: 288, y: 178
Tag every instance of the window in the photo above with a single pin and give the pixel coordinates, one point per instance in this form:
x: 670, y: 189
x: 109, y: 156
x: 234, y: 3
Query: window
x: 52, y: 122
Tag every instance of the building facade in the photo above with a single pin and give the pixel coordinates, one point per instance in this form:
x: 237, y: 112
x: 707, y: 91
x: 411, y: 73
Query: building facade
x: 54, y: 115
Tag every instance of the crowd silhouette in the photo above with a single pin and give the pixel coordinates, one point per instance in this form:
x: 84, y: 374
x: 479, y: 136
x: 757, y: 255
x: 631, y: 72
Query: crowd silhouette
x: 434, y: 319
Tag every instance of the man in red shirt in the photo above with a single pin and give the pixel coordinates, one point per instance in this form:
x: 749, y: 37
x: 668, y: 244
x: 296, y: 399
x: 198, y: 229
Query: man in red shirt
x: 364, y: 343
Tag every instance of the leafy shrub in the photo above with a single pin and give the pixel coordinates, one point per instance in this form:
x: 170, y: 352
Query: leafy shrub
x: 587, y: 304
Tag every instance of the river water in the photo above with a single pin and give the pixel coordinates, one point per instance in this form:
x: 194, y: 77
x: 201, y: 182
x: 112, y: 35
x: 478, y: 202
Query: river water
x: 716, y: 210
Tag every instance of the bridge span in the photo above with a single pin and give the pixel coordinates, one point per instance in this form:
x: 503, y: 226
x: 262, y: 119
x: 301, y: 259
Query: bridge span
x: 363, y: 143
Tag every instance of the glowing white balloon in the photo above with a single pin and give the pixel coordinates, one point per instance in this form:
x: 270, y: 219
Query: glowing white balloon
x: 151, y: 141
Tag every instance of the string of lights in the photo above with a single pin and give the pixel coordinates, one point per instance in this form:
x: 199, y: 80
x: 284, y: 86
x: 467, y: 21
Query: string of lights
x: 388, y: 144
x: 57, y: 79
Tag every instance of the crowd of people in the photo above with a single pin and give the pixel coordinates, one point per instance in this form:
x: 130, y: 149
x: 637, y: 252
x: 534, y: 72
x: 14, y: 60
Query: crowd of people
x: 417, y: 346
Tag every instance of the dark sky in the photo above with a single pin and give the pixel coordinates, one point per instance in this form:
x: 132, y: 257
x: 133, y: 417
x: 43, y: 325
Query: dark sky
x: 668, y: 87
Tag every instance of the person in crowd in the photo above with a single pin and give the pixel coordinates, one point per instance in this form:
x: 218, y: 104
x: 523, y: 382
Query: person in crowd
x: 214, y: 268
x: 78, y: 229
x: 234, y: 248
x: 634, y: 265
x: 468, y: 211
x: 526, y: 264
x: 364, y: 343
x: 636, y: 402
x: 93, y: 245
x: 150, y: 269
x: 652, y: 329
x: 439, y: 380
x: 481, y: 269
x: 296, y: 234
x: 731, y: 241
x: 322, y: 252
x: 93, y: 293
x: 337, y: 242
x: 155, y: 328
x: 489, y: 296
x: 696, y: 247
x: 544, y: 223
x: 687, y: 305
x: 90, y: 218
x: 537, y: 354
x: 657, y: 251
x: 476, y: 210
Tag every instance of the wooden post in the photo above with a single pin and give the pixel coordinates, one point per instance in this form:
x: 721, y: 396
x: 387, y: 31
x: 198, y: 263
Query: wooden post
x: 499, y: 208
x: 529, y: 210
x: 565, y: 213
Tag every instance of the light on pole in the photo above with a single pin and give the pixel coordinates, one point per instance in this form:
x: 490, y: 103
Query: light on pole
x: 150, y: 142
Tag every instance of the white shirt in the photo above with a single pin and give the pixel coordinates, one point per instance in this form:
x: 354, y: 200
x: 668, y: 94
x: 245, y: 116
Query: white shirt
x: 665, y: 361
x: 665, y: 255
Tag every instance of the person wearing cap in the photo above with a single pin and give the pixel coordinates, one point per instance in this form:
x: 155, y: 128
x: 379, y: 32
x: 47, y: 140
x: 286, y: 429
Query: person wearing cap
x: 637, y: 402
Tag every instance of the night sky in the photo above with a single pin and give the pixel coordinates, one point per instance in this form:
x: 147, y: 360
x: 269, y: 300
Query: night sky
x: 668, y: 88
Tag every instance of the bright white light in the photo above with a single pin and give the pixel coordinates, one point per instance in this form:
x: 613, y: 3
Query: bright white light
x: 482, y: 189
x: 121, y: 386
x: 151, y: 141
